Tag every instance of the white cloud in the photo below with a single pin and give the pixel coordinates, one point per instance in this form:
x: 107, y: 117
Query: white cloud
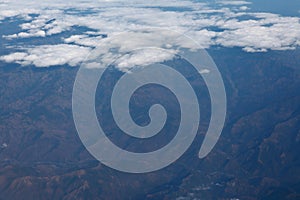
x: 84, y: 40
x: 4, y: 145
x: 204, y: 71
x: 243, y: 8
x: 14, y: 57
x: 273, y: 32
x: 143, y: 58
x: 32, y: 33
x: 234, y: 2
x: 49, y: 55
x: 253, y: 50
x: 260, y: 33
x: 6, y: 11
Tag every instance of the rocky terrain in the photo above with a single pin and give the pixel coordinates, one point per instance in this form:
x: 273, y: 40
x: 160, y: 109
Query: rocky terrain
x: 257, y: 156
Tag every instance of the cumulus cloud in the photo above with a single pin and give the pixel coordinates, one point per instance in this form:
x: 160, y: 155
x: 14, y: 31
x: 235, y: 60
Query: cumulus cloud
x: 49, y: 55
x: 128, y: 23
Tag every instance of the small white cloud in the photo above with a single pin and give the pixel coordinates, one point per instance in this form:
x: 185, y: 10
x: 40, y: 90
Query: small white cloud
x: 204, y: 71
x: 243, y: 8
x: 253, y: 50
x: 4, y: 145
x: 234, y: 2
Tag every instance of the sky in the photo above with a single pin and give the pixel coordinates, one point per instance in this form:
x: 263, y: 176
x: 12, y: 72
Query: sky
x: 120, y: 26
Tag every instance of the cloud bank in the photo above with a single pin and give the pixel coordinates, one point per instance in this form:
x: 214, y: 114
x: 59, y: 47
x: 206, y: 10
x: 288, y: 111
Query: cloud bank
x: 229, y: 24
